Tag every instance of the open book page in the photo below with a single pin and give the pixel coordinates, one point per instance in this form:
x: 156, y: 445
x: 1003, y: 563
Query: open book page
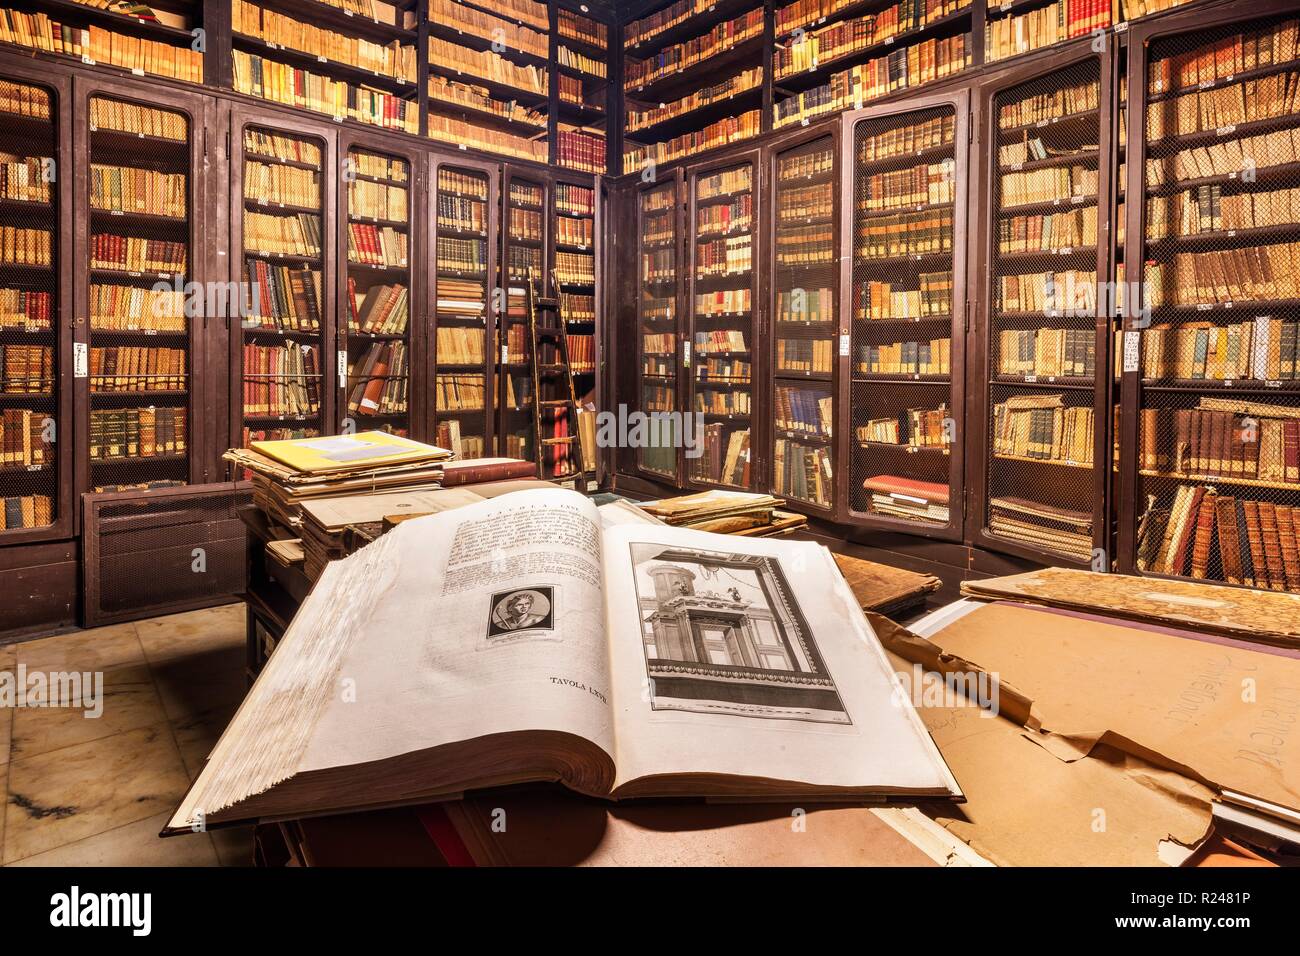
x: 491, y: 624
x: 750, y: 658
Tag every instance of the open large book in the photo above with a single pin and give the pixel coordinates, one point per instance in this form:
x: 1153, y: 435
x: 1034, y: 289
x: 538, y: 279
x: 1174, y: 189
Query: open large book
x: 516, y: 640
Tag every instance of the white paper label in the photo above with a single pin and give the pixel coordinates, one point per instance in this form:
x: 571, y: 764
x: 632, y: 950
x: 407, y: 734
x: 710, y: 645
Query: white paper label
x: 844, y: 345
x: 80, y: 360
x: 1132, y: 350
x: 343, y: 364
x: 505, y: 354
x: 686, y: 354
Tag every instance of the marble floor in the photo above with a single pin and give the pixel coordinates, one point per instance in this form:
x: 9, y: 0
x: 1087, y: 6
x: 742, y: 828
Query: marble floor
x: 96, y: 791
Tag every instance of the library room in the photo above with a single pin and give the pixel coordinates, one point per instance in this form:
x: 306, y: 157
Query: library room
x: 358, y: 357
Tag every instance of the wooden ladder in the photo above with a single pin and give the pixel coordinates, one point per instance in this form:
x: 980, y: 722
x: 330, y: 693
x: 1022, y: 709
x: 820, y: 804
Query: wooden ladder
x: 544, y: 325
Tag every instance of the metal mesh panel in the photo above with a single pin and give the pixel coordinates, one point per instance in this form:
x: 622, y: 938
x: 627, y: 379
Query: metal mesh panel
x: 657, y: 316
x: 1042, y: 336
x: 461, y: 289
x: 282, y: 360
x: 575, y: 245
x: 904, y: 207
x: 377, y: 305
x: 525, y: 237
x: 163, y: 551
x: 804, y: 277
x: 1219, y: 426
x: 722, y: 323
x: 29, y: 320
x: 140, y: 359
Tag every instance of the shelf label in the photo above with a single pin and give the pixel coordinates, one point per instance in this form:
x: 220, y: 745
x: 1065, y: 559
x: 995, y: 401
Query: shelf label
x: 844, y: 344
x: 686, y: 354
x: 343, y: 364
x: 80, y: 360
x: 1132, y: 349
x: 505, y: 355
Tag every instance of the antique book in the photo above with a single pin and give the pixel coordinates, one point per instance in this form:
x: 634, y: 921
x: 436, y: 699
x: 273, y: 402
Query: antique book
x: 516, y: 641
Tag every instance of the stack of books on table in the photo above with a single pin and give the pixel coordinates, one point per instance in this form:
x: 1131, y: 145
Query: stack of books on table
x: 1039, y: 525
x: 726, y: 512
x: 898, y: 497
x: 289, y: 472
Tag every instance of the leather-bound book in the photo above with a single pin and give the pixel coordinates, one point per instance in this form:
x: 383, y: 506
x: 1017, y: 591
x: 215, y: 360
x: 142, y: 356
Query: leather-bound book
x: 1229, y: 546
x: 1243, y: 546
x: 1268, y: 534
x: 1204, y: 536
x: 1287, y: 540
x: 1256, y: 542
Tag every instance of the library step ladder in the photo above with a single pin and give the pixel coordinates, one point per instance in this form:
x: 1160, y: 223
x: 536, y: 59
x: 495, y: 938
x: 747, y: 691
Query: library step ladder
x: 545, y: 326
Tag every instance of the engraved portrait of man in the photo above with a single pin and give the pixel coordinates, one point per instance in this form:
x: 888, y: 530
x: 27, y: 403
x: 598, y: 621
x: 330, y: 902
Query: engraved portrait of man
x: 521, y: 610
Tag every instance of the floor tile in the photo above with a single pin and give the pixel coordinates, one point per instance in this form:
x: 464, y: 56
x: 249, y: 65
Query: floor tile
x: 135, y: 844
x: 95, y: 650
x: 197, y: 734
x: 129, y: 702
x: 77, y: 792
x: 208, y: 681
x: 194, y: 632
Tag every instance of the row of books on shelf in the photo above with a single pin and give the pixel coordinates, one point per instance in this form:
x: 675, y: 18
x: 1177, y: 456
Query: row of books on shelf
x: 815, y: 305
x: 1221, y: 438
x: 1207, y: 63
x: 805, y: 245
x: 577, y: 27
x: 805, y: 202
x: 129, y: 368
x: 457, y: 346
x: 26, y: 309
x: 724, y: 371
x: 722, y: 37
x: 26, y: 511
x: 720, y: 340
x: 1043, y: 427
x: 575, y: 200
x: 906, y: 68
x: 461, y: 443
x: 906, y: 358
x: 580, y: 149
x: 1056, y: 232
x: 470, y: 96
x: 461, y: 255
x: 802, y: 471
x: 377, y: 245
x: 286, y: 298
x: 277, y: 30
x: 1245, y: 102
x: 659, y: 343
x: 915, y: 427
x: 521, y: 261
x: 921, y: 233
x: 722, y: 218
x: 25, y: 178
x: 729, y: 129
x: 648, y: 27
x: 135, y: 254
x: 657, y: 366
x: 378, y: 381
x: 131, y: 189
x: 1035, y: 29
x: 805, y: 356
x: 1031, y: 186
x: 1206, y: 209
x: 382, y: 310
x: 574, y: 232
x: 460, y: 393
x: 725, y: 456
x: 729, y: 403
x: 1047, y: 352
x: 876, y: 301
x: 449, y: 130
x: 21, y: 99
x: 280, y: 83
x: 1227, y: 157
x: 25, y: 438
x: 460, y: 298
x: 817, y: 48
x: 577, y: 268
x: 1205, y: 534
x: 582, y: 354
x: 804, y: 410
x: 574, y: 60
x: 22, y: 246
x: 123, y: 433
x: 94, y: 44
x: 287, y: 149
x: 657, y: 308
x: 745, y: 80
x: 298, y: 234
x: 1265, y: 349
x: 1042, y: 526
x: 122, y: 308
x: 281, y: 380
x: 371, y: 200
x: 1030, y: 148
x: 461, y: 213
x: 525, y: 224
x: 1062, y: 102
x: 722, y: 257
x: 723, y: 302
x: 577, y: 307
x: 486, y: 65
x: 505, y: 34
x: 911, y: 499
x: 26, y: 369
x: 392, y: 172
x: 1073, y: 291
x: 656, y: 398
x: 1225, y: 275
x: 908, y: 140
x: 929, y: 183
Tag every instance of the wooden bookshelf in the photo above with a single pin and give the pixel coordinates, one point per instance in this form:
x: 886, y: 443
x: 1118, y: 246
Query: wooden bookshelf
x: 659, y: 322
x: 286, y: 379
x: 722, y: 298
x: 525, y: 228
x: 907, y: 313
x: 1214, y: 478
